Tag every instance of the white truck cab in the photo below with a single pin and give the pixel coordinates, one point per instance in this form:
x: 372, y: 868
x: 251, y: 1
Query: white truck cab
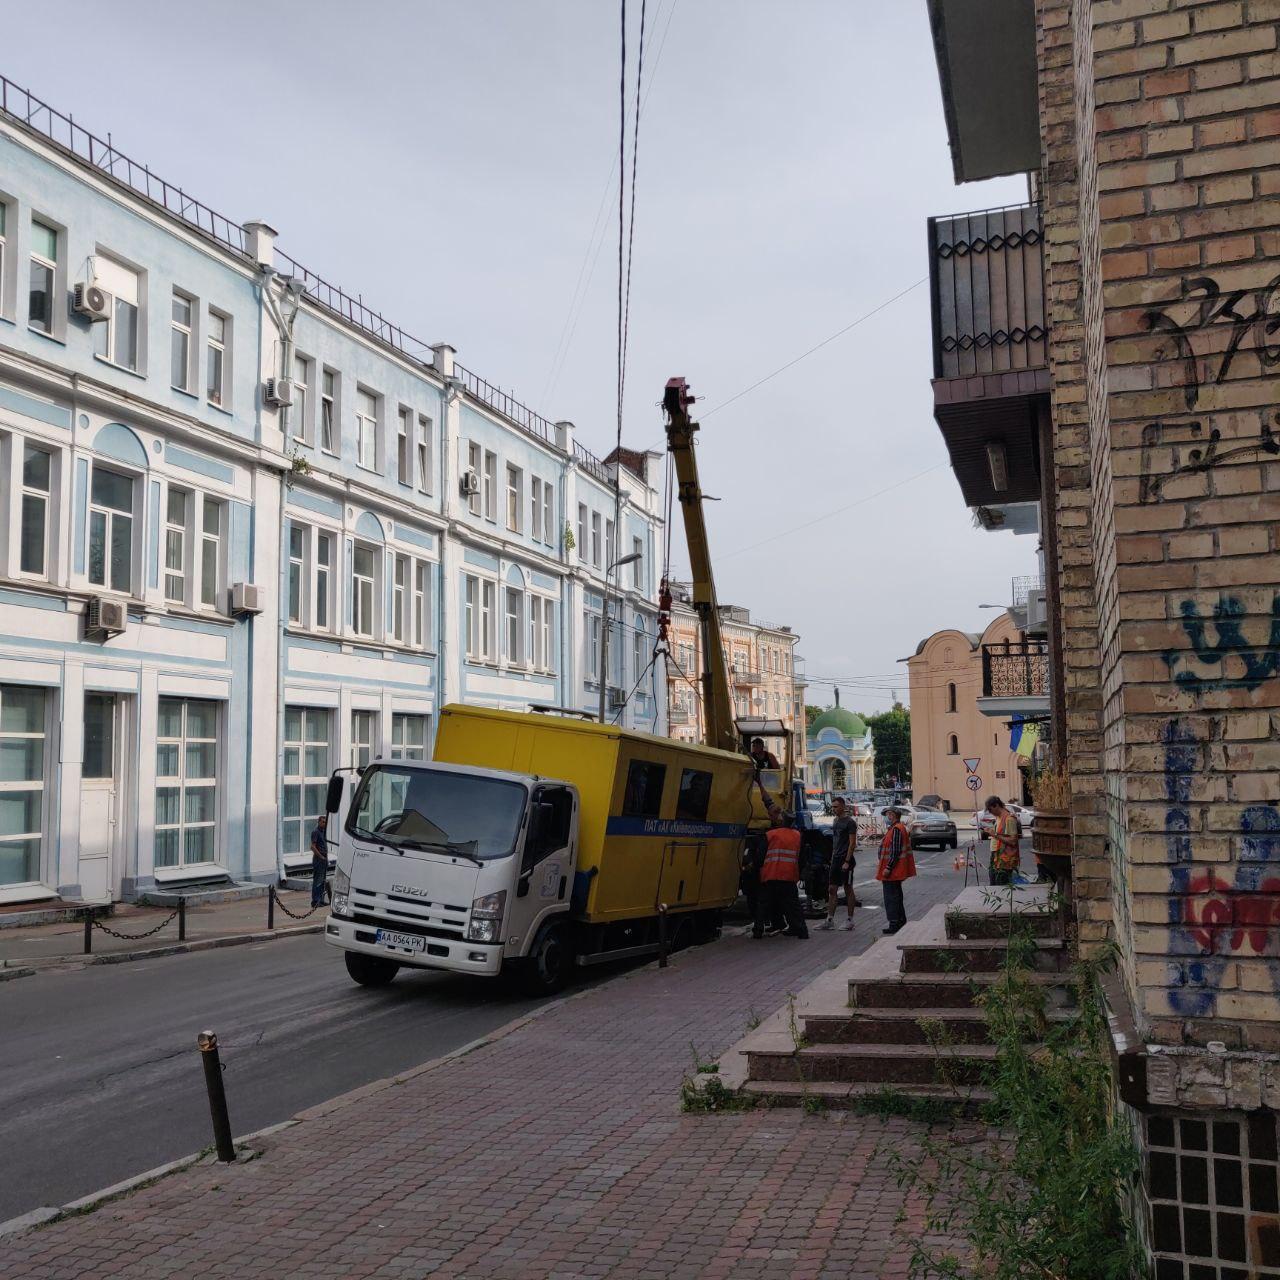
x: 446, y: 866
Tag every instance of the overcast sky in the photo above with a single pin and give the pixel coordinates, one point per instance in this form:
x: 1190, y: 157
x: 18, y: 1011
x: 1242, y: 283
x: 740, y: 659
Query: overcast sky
x: 448, y: 162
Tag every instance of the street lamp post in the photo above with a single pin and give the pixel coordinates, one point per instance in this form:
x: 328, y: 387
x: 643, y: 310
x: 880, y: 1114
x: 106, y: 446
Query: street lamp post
x: 604, y: 625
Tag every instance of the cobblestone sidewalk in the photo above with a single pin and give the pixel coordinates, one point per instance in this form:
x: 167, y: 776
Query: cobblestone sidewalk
x: 557, y: 1150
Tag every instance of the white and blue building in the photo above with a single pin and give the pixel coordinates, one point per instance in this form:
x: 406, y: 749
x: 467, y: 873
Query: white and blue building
x: 251, y: 532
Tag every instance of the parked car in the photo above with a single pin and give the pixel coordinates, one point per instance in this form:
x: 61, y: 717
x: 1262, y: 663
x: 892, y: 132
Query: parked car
x: 931, y: 802
x: 905, y: 807
x: 1026, y: 819
x: 932, y: 827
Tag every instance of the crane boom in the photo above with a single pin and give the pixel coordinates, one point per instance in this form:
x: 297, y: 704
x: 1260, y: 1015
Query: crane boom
x: 720, y: 730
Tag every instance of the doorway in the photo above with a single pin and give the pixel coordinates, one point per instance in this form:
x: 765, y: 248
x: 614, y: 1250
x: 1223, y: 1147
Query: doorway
x: 100, y: 798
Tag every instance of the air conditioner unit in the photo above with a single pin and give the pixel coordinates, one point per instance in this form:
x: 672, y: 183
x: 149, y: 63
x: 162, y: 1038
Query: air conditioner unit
x: 246, y: 597
x: 106, y: 618
x: 617, y: 697
x: 91, y: 302
x: 279, y: 393
x: 469, y: 482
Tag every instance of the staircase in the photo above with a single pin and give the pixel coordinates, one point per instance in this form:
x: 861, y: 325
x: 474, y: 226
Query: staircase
x: 902, y: 1015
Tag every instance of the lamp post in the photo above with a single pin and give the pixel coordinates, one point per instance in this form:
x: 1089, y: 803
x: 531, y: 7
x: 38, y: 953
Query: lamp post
x: 604, y: 627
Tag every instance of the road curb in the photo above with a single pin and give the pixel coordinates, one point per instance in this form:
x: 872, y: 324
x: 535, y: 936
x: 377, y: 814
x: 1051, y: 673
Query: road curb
x: 7, y: 975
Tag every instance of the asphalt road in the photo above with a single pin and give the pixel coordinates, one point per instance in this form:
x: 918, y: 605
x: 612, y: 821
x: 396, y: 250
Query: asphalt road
x: 100, y: 1077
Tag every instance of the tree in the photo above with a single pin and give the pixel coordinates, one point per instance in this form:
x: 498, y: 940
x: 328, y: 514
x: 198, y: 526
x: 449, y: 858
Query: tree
x: 891, y: 734
x: 811, y: 713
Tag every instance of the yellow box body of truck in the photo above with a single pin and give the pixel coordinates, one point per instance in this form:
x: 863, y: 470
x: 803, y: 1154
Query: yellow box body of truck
x: 661, y: 821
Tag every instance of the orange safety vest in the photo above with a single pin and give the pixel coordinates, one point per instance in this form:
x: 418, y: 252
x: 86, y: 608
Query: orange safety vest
x: 782, y: 855
x: 905, y: 865
x: 1005, y: 853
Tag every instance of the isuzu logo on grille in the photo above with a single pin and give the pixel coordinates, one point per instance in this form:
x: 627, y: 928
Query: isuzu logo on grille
x: 409, y: 890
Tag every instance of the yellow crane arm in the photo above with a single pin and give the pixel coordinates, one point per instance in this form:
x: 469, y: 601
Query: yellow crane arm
x: 718, y: 718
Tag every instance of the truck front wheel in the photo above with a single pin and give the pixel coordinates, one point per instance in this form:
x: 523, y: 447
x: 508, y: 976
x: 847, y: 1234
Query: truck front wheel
x: 370, y: 971
x: 550, y: 960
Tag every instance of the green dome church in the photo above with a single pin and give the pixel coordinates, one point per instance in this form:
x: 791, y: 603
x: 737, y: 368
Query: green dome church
x: 842, y: 756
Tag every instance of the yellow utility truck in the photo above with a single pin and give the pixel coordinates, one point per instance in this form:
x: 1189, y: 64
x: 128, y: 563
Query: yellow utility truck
x: 536, y: 841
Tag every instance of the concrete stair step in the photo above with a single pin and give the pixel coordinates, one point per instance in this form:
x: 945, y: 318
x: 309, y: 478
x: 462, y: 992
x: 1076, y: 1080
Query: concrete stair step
x: 968, y: 955
x: 942, y: 990
x: 888, y: 1064
x: 901, y: 1026
x: 849, y: 1096
x: 982, y: 911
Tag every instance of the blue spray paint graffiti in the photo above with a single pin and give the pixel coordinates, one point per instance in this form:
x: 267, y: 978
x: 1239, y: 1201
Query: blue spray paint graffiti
x: 1258, y: 663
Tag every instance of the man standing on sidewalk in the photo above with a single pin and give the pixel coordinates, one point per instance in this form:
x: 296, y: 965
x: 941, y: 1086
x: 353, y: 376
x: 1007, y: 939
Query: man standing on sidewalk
x: 319, y: 861
x: 778, y: 876
x: 1005, y: 841
x: 897, y: 863
x: 844, y: 840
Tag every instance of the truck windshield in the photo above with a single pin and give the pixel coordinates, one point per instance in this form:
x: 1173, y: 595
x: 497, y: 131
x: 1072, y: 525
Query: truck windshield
x: 477, y: 818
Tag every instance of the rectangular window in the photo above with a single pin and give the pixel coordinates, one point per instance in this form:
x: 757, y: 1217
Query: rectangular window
x: 471, y: 611
x: 639, y: 650
x: 582, y: 531
x: 488, y: 620
x: 490, y: 484
x: 111, y: 530
x: 180, y: 342
x: 366, y: 429
x: 694, y: 796
x: 592, y: 658
x: 364, y: 735
x: 44, y: 272
x: 475, y: 463
x: 540, y: 633
x: 300, y: 414
x: 595, y: 539
x: 304, y: 774
x: 400, y: 599
x: 548, y: 515
x: 23, y: 721
x: 328, y: 411
x: 116, y: 338
x: 324, y: 580
x: 364, y: 574
x: 99, y: 735
x: 643, y: 795
x: 637, y: 566
x: 186, y: 782
x: 37, y: 479
x: 421, y: 604
x: 408, y: 737
x: 4, y: 214
x: 515, y: 497
x: 424, y: 453
x: 216, y: 362
x: 297, y: 571
x: 610, y: 545
x: 210, y: 552
x: 513, y: 614
x: 535, y: 508
x: 404, y: 438
x: 175, y: 546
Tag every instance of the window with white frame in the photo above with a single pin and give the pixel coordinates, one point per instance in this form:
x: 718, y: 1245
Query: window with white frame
x: 610, y: 543
x: 300, y: 413
x: 364, y: 737
x: 582, y: 531
x: 541, y: 516
x: 490, y: 485
x: 540, y: 651
x: 548, y: 515
x: 36, y: 526
x: 212, y: 519
x: 475, y: 464
x: 176, y: 518
x: 421, y: 604
x: 24, y: 713
x: 115, y: 339
x: 366, y: 429
x: 424, y: 453
x: 400, y: 601
x: 4, y: 249
x: 408, y: 736
x: 44, y: 276
x: 591, y: 659
x: 639, y: 649
x: 304, y: 774
x: 404, y: 446
x: 479, y: 609
x: 297, y: 571
x: 513, y: 618
x: 515, y: 497
x: 186, y: 782
x: 111, y: 502
x: 364, y: 593
x: 181, y: 349
x: 329, y: 411
x: 192, y: 551
x: 595, y: 539
x: 217, y: 360
x: 322, y: 582
x: 637, y: 565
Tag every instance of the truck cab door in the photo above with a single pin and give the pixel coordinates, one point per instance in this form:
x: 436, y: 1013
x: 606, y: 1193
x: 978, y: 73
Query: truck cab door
x: 545, y: 880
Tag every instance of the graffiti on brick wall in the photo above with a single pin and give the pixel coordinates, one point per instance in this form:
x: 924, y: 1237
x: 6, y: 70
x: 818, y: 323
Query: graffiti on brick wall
x: 1202, y: 454
x: 1250, y: 319
x: 1227, y: 659
x: 1213, y: 919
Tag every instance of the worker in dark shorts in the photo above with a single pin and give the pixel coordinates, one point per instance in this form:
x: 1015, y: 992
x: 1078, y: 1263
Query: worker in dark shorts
x: 844, y: 842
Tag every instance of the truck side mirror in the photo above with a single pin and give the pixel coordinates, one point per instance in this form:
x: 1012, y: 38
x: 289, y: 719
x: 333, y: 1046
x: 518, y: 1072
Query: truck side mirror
x: 333, y: 797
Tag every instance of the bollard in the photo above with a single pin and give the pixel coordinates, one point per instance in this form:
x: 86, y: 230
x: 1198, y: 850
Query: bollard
x: 88, y: 931
x: 271, y: 906
x: 182, y: 919
x: 208, y: 1043
x: 662, y: 935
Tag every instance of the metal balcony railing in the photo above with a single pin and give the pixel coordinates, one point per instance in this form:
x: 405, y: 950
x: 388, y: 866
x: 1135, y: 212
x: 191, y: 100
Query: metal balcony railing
x: 987, y: 284
x: 589, y: 462
x: 1015, y: 669
x: 745, y: 678
x: 1022, y: 586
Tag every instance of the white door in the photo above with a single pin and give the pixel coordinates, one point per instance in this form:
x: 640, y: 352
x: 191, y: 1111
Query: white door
x: 99, y: 870
x: 546, y: 874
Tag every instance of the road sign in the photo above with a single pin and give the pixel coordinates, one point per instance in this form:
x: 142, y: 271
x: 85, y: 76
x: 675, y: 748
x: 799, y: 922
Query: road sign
x: 973, y: 782
x: 972, y: 763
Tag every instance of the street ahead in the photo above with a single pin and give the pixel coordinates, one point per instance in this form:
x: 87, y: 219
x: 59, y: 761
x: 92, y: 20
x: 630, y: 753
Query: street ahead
x: 100, y: 1077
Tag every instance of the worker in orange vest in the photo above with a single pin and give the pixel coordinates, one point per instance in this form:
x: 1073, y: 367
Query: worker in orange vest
x: 1006, y: 853
x: 897, y: 863
x: 779, y: 874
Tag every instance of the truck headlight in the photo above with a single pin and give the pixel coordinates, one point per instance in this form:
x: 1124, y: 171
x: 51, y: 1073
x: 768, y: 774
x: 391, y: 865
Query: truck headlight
x: 340, y: 906
x: 486, y: 917
x: 341, y: 883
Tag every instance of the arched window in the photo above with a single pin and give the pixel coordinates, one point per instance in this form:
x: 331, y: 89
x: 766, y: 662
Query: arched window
x: 951, y: 697
x: 953, y: 745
